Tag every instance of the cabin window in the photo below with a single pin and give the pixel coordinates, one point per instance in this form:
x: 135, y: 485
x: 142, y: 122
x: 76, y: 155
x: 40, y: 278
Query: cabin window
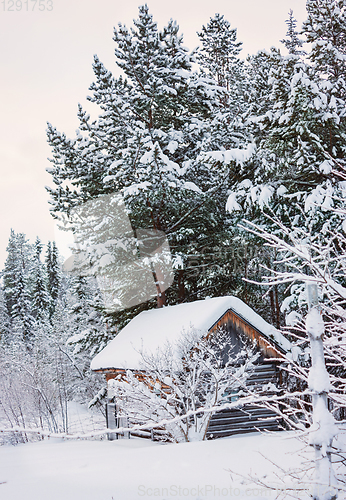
x: 232, y: 396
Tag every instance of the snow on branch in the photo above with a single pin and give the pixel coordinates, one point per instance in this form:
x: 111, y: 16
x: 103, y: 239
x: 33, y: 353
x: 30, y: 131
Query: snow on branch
x: 252, y: 399
x: 191, y: 374
x: 309, y: 254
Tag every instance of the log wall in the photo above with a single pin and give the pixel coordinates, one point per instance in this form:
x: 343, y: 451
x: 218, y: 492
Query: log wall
x: 237, y: 325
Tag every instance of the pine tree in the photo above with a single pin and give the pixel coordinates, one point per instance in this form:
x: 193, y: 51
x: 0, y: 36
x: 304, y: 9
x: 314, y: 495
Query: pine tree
x: 307, y: 126
x: 292, y: 43
x: 146, y: 144
x: 300, y: 134
x: 258, y: 70
x: 219, y: 60
x: 219, y: 53
x: 325, y: 30
x: 303, y: 129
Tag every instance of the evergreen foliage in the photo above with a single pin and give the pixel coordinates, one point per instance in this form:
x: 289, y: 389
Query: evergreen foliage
x: 40, y: 373
x: 301, y: 127
x: 40, y: 298
x: 17, y: 259
x: 88, y: 329
x: 156, y: 122
x: 219, y: 52
x: 16, y: 284
x: 292, y: 43
x: 5, y: 324
x: 325, y: 30
x: 53, y: 274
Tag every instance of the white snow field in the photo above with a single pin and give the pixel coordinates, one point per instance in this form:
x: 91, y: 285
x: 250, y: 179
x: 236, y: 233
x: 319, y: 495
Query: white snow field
x: 129, y: 469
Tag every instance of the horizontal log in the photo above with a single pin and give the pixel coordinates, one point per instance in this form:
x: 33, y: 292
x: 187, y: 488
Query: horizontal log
x: 244, y: 413
x: 245, y: 425
x: 234, y: 432
x: 237, y: 421
x: 239, y: 430
x: 141, y: 434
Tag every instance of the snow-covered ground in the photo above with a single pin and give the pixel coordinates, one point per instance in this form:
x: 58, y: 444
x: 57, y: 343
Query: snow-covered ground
x: 129, y: 469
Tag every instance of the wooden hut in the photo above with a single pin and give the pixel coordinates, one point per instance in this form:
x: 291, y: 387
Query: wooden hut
x: 150, y: 330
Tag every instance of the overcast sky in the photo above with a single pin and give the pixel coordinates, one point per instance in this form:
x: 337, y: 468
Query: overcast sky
x: 46, y: 60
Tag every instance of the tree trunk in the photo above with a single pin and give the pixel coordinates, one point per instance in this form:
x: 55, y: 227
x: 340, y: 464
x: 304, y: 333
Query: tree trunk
x: 161, y: 295
x: 181, y: 286
x: 272, y: 305
x: 277, y: 307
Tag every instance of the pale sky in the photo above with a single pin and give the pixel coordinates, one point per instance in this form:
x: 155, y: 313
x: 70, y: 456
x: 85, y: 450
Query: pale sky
x: 46, y: 69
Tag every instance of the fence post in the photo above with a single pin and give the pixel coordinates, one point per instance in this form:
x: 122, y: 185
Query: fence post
x: 111, y: 420
x: 323, y: 428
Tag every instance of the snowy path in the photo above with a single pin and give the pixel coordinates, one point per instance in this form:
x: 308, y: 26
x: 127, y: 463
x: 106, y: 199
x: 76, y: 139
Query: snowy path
x: 135, y: 468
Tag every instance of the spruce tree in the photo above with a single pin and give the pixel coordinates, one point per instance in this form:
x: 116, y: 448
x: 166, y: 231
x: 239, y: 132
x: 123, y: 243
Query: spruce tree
x: 53, y: 274
x: 41, y: 300
x: 10, y: 272
x: 5, y: 324
x: 22, y: 318
x: 16, y: 284
x: 88, y: 328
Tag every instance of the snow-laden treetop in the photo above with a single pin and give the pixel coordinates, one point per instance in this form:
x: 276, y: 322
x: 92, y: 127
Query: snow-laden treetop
x: 151, y: 330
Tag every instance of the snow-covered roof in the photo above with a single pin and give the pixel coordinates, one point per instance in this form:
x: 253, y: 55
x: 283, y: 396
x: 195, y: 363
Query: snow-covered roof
x: 151, y: 330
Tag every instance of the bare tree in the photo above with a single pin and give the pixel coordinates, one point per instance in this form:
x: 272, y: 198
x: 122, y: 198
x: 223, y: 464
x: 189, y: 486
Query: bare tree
x: 181, y: 378
x: 318, y: 260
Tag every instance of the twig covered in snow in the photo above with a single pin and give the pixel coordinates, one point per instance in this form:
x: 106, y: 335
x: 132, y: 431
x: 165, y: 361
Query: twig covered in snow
x: 192, y: 374
x: 253, y: 399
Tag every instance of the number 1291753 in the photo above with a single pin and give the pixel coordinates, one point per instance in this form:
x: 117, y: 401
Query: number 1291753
x: 27, y: 5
